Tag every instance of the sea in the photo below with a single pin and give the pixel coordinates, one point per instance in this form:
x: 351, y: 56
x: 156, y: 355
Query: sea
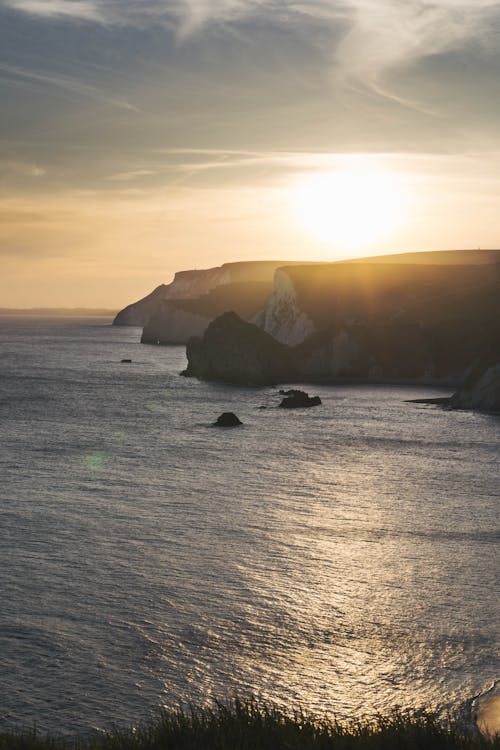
x: 340, y: 559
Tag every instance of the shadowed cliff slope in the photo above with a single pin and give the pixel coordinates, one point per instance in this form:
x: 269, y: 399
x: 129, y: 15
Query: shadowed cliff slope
x: 175, y: 321
x: 481, y: 387
x: 137, y: 313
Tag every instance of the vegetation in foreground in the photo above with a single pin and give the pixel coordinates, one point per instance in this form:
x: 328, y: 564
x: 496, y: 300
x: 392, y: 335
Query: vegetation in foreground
x: 251, y: 725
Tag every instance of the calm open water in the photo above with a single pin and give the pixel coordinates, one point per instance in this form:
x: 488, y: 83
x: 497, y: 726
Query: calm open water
x: 342, y: 558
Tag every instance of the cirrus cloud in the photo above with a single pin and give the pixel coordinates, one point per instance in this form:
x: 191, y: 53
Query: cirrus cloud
x: 376, y: 37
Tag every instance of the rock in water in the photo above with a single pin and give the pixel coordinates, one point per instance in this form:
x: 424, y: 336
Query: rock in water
x: 234, y: 351
x: 299, y: 400
x: 227, y: 419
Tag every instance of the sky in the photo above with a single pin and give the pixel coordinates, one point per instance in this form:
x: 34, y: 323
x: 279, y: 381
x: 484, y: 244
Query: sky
x: 142, y: 137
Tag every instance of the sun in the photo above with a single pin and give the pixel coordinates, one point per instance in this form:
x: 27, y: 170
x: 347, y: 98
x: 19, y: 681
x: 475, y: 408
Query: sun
x: 350, y: 207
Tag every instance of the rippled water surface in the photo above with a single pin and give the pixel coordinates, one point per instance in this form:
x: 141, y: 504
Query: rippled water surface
x: 343, y: 557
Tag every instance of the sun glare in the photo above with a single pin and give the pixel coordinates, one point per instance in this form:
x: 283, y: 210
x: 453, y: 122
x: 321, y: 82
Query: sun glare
x: 351, y: 207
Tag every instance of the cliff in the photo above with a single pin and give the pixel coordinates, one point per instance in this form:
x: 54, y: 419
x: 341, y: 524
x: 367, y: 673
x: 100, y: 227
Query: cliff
x: 308, y: 299
x: 282, y: 316
x: 410, y: 322
x: 481, y: 388
x: 191, y: 284
x: 235, y: 351
x: 476, y: 257
x: 138, y: 313
x: 175, y: 321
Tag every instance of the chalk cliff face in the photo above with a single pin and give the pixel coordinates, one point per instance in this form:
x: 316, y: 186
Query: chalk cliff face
x: 186, y: 285
x: 282, y: 317
x: 193, y: 284
x: 190, y: 284
x: 481, y: 388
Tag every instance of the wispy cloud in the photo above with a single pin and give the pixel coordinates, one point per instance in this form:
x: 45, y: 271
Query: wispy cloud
x: 66, y: 83
x: 377, y: 36
x: 368, y: 51
x: 389, y: 34
x: 280, y: 164
x: 133, y: 174
x: 78, y: 9
x: 21, y: 169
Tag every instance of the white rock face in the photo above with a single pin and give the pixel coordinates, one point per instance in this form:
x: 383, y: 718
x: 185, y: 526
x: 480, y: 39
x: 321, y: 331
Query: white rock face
x: 191, y: 284
x: 186, y: 285
x: 483, y: 393
x: 196, y: 283
x: 282, y: 317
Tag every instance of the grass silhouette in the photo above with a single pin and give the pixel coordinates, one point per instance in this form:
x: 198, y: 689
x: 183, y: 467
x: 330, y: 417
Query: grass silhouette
x: 255, y: 725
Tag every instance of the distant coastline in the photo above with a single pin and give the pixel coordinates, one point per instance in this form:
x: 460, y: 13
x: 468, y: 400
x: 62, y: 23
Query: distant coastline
x: 68, y: 312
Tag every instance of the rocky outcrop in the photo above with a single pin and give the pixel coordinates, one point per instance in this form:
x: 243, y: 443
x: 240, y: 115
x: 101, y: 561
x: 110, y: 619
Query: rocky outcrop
x: 481, y: 388
x: 298, y: 400
x: 195, y: 283
x: 176, y: 321
x: 435, y: 350
x: 227, y: 419
x: 234, y: 351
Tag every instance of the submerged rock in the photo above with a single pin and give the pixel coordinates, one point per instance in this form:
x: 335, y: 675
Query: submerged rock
x: 299, y: 400
x: 227, y: 419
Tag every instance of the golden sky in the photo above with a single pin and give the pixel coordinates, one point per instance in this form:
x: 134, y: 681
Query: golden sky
x: 137, y: 139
